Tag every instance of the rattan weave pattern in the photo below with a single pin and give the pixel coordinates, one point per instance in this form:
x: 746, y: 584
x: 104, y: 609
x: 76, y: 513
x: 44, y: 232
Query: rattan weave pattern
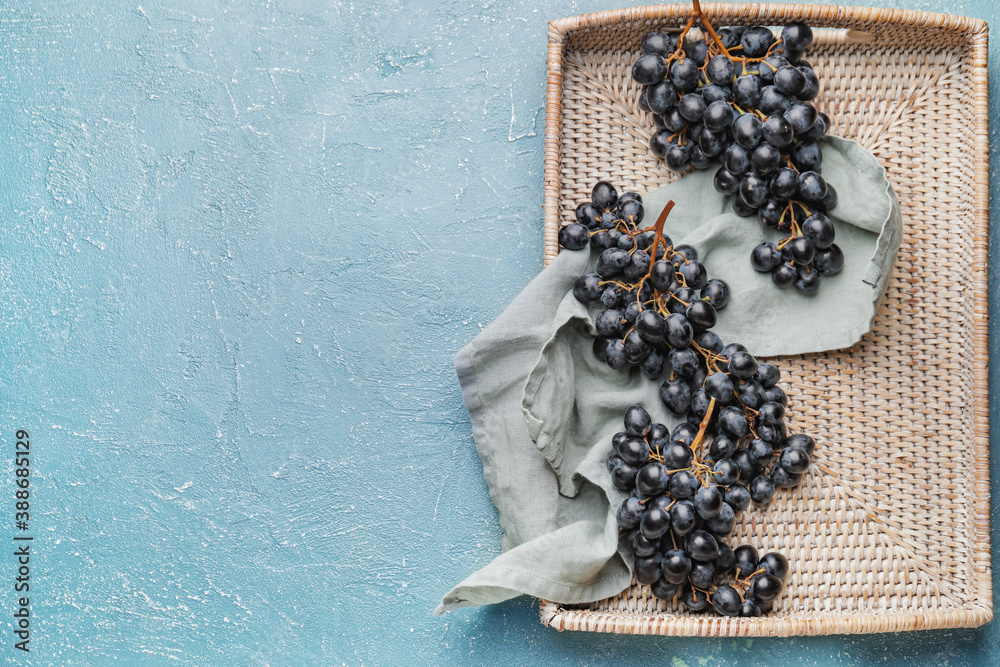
x: 890, y: 529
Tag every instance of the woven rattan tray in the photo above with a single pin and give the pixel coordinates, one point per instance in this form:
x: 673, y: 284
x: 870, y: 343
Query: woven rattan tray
x: 877, y: 545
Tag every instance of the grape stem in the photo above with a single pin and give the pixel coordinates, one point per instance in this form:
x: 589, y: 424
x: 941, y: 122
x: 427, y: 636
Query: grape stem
x: 707, y: 25
x: 658, y: 229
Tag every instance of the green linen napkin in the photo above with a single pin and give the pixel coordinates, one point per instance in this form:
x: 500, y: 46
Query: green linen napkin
x: 544, y: 408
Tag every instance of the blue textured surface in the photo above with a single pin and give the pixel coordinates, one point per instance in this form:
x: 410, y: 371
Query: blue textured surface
x: 240, y: 245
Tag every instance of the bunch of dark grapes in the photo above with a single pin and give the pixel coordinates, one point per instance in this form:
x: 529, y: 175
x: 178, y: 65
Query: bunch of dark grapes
x: 733, y: 449
x: 742, y: 98
x: 657, y: 298
x: 682, y: 507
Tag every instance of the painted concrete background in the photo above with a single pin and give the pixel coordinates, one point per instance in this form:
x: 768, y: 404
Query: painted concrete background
x: 240, y: 244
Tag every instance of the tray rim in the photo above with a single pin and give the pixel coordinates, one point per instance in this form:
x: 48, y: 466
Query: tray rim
x: 972, y: 615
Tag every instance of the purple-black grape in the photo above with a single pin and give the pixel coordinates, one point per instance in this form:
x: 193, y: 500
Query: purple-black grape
x: 796, y: 36
x: 829, y: 261
x: 650, y: 68
x: 726, y: 600
x: 775, y: 564
x: 574, y: 236
x: 675, y: 566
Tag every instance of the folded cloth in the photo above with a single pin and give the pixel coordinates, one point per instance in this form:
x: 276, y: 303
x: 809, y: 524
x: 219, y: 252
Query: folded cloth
x: 544, y: 408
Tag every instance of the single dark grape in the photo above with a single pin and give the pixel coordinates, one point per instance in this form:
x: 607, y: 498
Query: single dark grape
x: 776, y: 394
x: 726, y: 560
x: 727, y: 601
x: 701, y: 545
x: 604, y: 196
x: 726, y: 182
x: 775, y: 564
x: 784, y: 275
x: 587, y: 288
x: 701, y: 315
x: 790, y: 80
x: 747, y: 90
x: 692, y: 107
x: 738, y: 497
x: 650, y: 68
x: 753, y: 190
x: 663, y: 590
x: 742, y: 365
x: 801, y: 441
x: 702, y: 574
x: 655, y: 522
x: 630, y: 513
x: 777, y: 132
x: 796, y: 36
x: 766, y: 587
x: 677, y: 455
x: 756, y: 41
x: 659, y: 42
x: 642, y: 547
x: 760, y: 452
x: 722, y: 448
x: 765, y: 159
x: 785, y: 183
x: 724, y: 523
x: 829, y: 261
x: 574, y: 236
x: 611, y: 262
x: 676, y: 395
x: 695, y: 600
x: 708, y: 503
x: 747, y: 559
x: 678, y: 157
x: 762, y: 490
x: 637, y: 421
x: 765, y: 257
x: 678, y: 331
x: 588, y: 215
x: 634, y: 451
x: 726, y: 472
x: 683, y: 518
x: 683, y: 74
x: 767, y: 375
x: 751, y: 394
x: 715, y: 93
x: 812, y: 187
x: 717, y: 293
x: 718, y: 115
x: 802, y: 249
x: 733, y: 422
x: 808, y: 280
x: 736, y: 160
x: 647, y: 570
x: 696, y: 50
x: 784, y: 479
x: 830, y: 200
x: 652, y: 365
x: 675, y: 566
x: 807, y: 156
x: 747, y: 131
x: 720, y: 69
x: 794, y: 460
x: 683, y: 485
x: 609, y: 323
x: 709, y: 340
x: 623, y: 476
x: 651, y: 325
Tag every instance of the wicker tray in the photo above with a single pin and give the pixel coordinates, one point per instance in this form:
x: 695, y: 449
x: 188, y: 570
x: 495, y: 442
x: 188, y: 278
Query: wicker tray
x: 876, y: 546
